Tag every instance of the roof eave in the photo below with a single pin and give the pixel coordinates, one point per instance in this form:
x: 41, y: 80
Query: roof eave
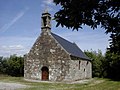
x: 81, y: 58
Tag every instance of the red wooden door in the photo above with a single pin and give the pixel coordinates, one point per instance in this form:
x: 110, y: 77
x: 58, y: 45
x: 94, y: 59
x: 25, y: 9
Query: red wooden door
x: 45, y: 73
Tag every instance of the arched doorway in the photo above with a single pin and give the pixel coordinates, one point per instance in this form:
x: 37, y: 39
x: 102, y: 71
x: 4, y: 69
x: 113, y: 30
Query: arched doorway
x: 45, y: 73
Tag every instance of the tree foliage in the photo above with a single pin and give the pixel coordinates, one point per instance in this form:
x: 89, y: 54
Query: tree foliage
x: 115, y: 43
x: 105, y: 13
x: 3, y: 65
x: 74, y: 13
x: 112, y: 65
x: 107, y: 66
x: 13, y: 65
x: 98, y: 61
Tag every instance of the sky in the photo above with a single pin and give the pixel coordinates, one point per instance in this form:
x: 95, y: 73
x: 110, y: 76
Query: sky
x: 20, y: 26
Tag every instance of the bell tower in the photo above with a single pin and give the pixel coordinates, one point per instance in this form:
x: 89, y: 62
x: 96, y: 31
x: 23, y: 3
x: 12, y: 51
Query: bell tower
x: 46, y: 21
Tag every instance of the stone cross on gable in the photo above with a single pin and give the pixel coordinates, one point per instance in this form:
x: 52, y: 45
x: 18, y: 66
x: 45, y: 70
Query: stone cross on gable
x: 46, y: 9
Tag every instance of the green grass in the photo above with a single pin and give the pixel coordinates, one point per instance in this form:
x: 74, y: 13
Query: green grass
x: 94, y: 84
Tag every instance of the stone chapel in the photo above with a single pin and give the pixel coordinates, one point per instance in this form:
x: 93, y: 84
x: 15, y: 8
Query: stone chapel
x: 53, y: 58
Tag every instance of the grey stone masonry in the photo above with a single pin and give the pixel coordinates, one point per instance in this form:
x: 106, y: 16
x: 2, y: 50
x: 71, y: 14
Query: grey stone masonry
x: 48, y: 60
x: 47, y: 52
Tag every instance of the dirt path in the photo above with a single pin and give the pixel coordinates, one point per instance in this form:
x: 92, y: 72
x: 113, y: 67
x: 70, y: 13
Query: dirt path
x: 11, y: 86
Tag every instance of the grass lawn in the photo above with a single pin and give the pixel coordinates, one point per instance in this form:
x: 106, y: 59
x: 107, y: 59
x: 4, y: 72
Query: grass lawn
x: 94, y: 84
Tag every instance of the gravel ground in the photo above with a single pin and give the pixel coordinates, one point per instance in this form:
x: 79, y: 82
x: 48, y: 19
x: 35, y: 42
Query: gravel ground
x: 69, y: 82
x: 14, y: 86
x: 11, y: 86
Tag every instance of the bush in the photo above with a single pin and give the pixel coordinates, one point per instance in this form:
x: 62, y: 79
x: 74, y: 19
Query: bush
x: 13, y: 66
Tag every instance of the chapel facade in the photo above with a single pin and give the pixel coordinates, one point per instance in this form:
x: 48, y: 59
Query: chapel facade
x: 53, y: 58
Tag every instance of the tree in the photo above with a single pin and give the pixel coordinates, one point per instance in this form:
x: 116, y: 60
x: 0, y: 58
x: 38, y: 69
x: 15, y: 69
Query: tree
x: 112, y: 65
x: 3, y: 65
x: 98, y: 63
x: 1, y: 58
x: 13, y: 65
x: 105, y: 13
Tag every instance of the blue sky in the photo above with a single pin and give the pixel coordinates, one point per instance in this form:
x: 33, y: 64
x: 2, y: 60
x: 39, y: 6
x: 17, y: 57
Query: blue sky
x: 20, y: 25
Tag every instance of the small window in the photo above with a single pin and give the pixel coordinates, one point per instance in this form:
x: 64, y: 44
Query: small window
x: 87, y: 63
x: 79, y: 64
x: 44, y: 21
x: 84, y: 69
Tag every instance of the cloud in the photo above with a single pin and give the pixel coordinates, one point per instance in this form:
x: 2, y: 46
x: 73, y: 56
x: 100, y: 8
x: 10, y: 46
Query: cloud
x: 15, y: 45
x: 48, y: 2
x: 12, y: 49
x: 14, y: 20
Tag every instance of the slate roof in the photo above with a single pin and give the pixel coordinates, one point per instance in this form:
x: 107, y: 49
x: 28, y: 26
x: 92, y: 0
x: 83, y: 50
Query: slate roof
x: 71, y: 48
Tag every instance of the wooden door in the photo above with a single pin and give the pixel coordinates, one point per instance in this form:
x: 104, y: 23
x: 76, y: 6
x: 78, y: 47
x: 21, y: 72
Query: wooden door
x: 45, y: 73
